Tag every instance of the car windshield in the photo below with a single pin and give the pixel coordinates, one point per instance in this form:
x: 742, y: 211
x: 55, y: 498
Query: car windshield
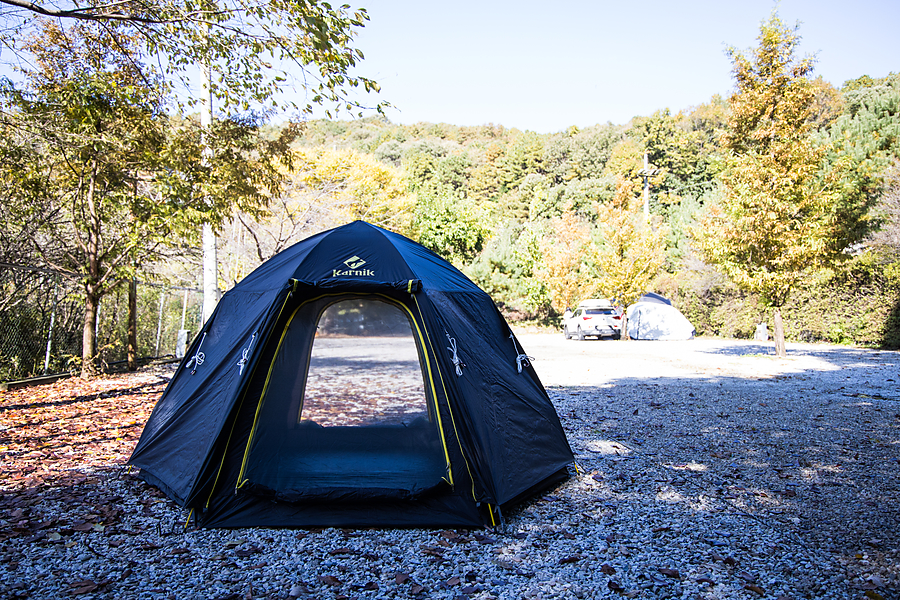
x: 599, y: 311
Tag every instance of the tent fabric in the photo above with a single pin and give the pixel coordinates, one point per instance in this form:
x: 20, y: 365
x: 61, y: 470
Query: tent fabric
x: 424, y: 418
x: 655, y: 320
x: 655, y: 298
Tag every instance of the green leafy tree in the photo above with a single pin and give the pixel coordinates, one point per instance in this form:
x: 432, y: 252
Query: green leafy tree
x: 390, y: 152
x: 681, y: 219
x: 579, y: 154
x: 528, y: 257
x: 101, y: 178
x: 523, y: 155
x: 870, y: 120
x: 586, y: 196
x: 82, y: 136
x: 625, y: 164
x: 484, y: 182
x: 450, y: 226
x: 780, y: 214
x: 452, y: 172
x: 499, y: 269
x: 256, y: 48
x: 205, y: 175
x: 866, y: 138
x: 685, y: 161
x: 529, y: 201
x: 886, y: 240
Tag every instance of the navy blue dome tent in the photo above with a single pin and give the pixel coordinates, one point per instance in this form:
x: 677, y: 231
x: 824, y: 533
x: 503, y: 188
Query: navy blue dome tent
x: 355, y: 379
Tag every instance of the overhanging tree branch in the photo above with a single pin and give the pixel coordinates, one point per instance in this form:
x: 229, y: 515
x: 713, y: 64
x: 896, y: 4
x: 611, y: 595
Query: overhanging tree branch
x: 257, y: 47
x: 110, y: 12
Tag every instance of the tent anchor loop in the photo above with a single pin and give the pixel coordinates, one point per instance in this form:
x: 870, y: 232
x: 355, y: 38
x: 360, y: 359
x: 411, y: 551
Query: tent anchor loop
x: 522, y: 359
x: 455, y: 360
x: 198, y: 357
x: 501, y: 522
x: 246, y: 351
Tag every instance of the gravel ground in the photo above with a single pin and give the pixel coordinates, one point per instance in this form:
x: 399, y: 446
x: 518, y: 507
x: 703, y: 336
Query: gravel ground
x: 709, y: 469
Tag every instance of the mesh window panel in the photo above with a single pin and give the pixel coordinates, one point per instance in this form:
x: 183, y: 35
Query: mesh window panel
x: 364, y: 368
x: 357, y: 423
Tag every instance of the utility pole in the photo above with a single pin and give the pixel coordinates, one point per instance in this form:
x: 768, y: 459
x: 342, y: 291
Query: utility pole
x: 210, y: 259
x: 647, y: 173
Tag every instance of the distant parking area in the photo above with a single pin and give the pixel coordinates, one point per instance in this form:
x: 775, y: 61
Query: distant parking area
x: 561, y: 362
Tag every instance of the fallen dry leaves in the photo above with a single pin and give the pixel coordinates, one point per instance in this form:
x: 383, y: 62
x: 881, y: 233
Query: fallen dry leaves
x: 57, y: 443
x: 53, y: 434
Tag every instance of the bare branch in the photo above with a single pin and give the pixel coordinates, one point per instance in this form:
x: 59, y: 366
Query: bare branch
x: 109, y: 12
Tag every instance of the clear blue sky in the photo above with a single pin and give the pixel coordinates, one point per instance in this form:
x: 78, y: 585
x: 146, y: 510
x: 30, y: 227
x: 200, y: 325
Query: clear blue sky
x: 544, y: 66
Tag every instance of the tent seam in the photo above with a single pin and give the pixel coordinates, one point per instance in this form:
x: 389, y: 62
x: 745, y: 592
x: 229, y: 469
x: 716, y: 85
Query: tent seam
x: 262, y: 394
x: 437, y: 411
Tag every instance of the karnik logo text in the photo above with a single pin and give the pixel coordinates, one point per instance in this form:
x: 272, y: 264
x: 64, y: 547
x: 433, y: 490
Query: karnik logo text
x: 353, y: 269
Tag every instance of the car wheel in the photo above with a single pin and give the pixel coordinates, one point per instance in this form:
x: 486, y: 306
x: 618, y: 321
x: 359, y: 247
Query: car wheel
x: 566, y: 333
x: 580, y: 334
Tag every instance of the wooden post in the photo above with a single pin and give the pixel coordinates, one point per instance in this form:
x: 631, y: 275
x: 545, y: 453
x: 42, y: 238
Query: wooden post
x: 52, y: 324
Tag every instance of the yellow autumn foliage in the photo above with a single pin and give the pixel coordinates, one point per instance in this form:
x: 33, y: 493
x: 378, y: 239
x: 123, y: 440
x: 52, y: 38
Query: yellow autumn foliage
x: 618, y: 259
x: 564, y: 268
x: 632, y: 251
x: 350, y: 186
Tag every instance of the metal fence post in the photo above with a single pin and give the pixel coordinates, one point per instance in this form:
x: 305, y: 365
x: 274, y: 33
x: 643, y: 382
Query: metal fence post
x: 162, y: 300
x: 52, y: 323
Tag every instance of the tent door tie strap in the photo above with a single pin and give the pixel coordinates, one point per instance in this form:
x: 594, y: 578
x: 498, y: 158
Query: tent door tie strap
x: 241, y: 363
x: 198, y: 357
x: 455, y: 359
x: 522, y: 359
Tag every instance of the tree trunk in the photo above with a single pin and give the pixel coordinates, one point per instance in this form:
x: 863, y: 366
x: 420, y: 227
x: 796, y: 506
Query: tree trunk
x: 89, y: 334
x: 132, y: 325
x: 780, y: 349
x: 92, y: 285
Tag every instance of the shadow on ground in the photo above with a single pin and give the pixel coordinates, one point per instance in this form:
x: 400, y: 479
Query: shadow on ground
x: 812, y: 452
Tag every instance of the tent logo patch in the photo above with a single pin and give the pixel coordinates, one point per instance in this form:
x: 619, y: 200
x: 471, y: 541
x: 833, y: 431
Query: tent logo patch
x: 354, y: 262
x: 353, y: 269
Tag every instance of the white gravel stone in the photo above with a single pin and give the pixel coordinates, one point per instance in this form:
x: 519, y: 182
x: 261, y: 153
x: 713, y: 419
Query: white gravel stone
x: 706, y: 468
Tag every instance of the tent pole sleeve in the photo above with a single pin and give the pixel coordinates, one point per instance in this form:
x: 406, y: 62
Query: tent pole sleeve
x: 243, y: 396
x: 449, y: 408
x: 241, y: 481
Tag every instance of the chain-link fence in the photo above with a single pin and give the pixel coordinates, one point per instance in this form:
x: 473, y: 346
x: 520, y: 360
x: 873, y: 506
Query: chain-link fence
x: 42, y: 320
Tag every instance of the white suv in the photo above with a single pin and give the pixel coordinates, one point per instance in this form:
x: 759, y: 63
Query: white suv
x: 593, y: 318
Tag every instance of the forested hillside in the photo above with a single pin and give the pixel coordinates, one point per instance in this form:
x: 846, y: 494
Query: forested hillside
x: 543, y: 221
x: 779, y: 203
